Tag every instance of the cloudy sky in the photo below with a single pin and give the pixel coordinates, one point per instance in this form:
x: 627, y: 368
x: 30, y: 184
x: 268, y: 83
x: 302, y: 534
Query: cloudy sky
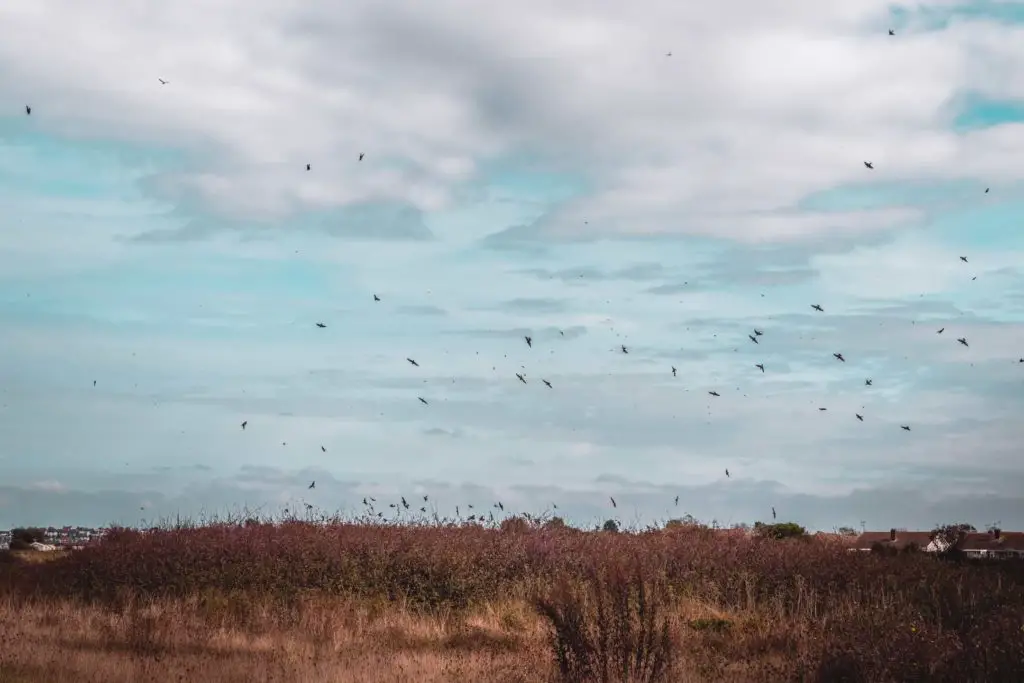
x: 668, y: 176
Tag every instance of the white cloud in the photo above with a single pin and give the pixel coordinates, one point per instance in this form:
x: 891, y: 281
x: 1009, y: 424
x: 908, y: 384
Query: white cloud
x: 759, y: 105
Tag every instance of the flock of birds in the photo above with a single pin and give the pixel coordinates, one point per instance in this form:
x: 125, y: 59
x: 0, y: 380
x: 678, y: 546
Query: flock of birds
x: 754, y: 338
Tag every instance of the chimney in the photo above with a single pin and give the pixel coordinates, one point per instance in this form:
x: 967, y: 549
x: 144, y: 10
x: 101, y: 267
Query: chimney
x: 995, y: 533
x: 892, y: 534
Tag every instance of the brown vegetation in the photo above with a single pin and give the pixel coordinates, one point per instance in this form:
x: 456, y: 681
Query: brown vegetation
x: 300, y: 601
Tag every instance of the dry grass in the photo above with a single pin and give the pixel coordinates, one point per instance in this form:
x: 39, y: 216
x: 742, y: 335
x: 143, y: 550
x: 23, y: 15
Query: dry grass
x: 360, y: 602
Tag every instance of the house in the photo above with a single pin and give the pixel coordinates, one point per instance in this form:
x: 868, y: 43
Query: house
x: 994, y: 543
x: 897, y: 539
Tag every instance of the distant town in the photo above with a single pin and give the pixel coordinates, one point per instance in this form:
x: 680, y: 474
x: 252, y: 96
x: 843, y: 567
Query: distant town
x: 68, y: 537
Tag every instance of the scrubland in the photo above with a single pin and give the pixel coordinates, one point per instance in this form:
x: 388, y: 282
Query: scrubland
x: 363, y: 602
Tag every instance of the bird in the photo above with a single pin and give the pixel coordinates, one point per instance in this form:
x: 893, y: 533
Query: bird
x: 859, y: 416
x: 867, y: 382
x: 321, y: 325
x: 822, y: 408
x: 308, y: 167
x: 714, y: 393
x: 323, y: 449
x: 529, y: 341
x: 727, y: 472
x: 839, y: 356
x: 869, y: 164
x: 1021, y: 360
x: 423, y: 400
x: 624, y: 349
x: 673, y: 371
x: 376, y: 298
x: 773, y: 512
x: 668, y: 54
x: 753, y: 338
x: 162, y: 81
x: 986, y: 190
x: 891, y: 32
x: 361, y: 155
x: 245, y: 422
x: 940, y: 330
x: 760, y: 366
x: 28, y: 110
x: 404, y: 503
x: 758, y: 332
x: 677, y: 500
x: 964, y: 259
x: 94, y: 382
x: 521, y: 378
x: 817, y: 308
x: 312, y: 485
x: 413, y: 362
x: 614, y: 505
x: 905, y: 428
x: 546, y: 382
x: 963, y: 340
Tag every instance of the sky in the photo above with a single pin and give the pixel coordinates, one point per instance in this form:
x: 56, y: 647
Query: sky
x: 661, y: 175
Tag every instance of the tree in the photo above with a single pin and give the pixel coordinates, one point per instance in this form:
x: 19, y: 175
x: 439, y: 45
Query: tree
x: 949, y: 534
x: 610, y: 526
x: 847, y: 531
x: 23, y: 538
x: 779, y: 531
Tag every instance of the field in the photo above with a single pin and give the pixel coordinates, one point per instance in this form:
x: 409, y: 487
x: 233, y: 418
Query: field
x: 361, y: 602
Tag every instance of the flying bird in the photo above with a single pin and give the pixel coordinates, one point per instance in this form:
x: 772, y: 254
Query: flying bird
x: 423, y: 400
x: 758, y: 332
x: 323, y: 449
x: 867, y: 382
x: 891, y: 32
x: 817, y: 308
x: 413, y: 362
x: 986, y: 190
x: 727, y: 472
x: 244, y: 423
x: 162, y: 81
x: 546, y: 382
x: 714, y: 393
x: 312, y: 484
x: 773, y: 512
x: 964, y: 259
x: 28, y: 110
x: 869, y: 164
x: 376, y: 298
x: 839, y: 356
x: 760, y: 366
x: 529, y: 341
x: 753, y: 338
x: 859, y: 416
x: 940, y: 331
x: 307, y: 167
x: 677, y: 500
x: 624, y: 350
x: 321, y: 325
x: 521, y: 378
x: 613, y: 502
x: 963, y: 340
x: 361, y: 155
x: 673, y: 371
x: 822, y: 408
x: 905, y: 428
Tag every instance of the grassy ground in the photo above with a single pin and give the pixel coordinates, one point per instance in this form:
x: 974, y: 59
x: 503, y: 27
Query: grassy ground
x: 361, y: 602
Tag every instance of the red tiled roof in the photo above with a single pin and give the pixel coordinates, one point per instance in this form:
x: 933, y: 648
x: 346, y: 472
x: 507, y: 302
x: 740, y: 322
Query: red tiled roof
x: 1008, y: 540
x: 868, y: 539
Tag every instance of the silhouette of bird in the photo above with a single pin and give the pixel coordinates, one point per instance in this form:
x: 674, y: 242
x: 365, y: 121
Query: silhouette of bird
x: 323, y: 449
x: 426, y: 498
x: 773, y: 512
x: 963, y: 340
x: 624, y: 350
x: 307, y: 167
x: 404, y: 503
x: 817, y: 308
x: 839, y: 356
x: 361, y: 155
x: 869, y: 164
x: 905, y: 428
x: 94, y: 382
x: 677, y: 500
x: 758, y: 332
x: 521, y: 378
x: 321, y: 325
x: 376, y: 298
x: 1021, y: 360
x: 859, y: 416
x: 614, y: 505
x: 529, y: 341
x: 986, y: 190
x: 28, y: 110
x: 964, y: 259
x: 312, y: 485
x: 891, y: 32
x: 713, y: 393
x: 940, y: 331
x: 727, y: 472
x: 162, y: 81
x: 673, y: 371
x: 546, y: 382
x: 500, y: 506
x: 753, y: 338
x: 423, y: 400
x: 244, y: 423
x: 413, y: 362
x: 760, y: 366
x: 867, y: 382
